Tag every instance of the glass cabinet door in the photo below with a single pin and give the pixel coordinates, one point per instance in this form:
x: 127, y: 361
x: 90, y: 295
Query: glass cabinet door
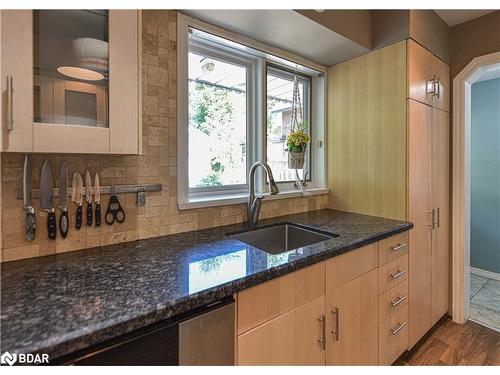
x: 71, y: 67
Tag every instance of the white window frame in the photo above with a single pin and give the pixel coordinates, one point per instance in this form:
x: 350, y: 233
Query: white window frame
x: 256, y: 127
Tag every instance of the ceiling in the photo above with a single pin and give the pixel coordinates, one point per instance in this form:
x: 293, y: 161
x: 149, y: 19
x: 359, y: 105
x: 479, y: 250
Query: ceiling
x: 306, y: 38
x: 457, y: 16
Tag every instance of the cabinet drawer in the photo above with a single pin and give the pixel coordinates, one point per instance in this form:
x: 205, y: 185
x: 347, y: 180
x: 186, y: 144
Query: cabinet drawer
x: 266, y: 301
x: 392, y: 247
x: 393, y: 337
x: 347, y: 267
x: 393, y: 300
x: 392, y: 273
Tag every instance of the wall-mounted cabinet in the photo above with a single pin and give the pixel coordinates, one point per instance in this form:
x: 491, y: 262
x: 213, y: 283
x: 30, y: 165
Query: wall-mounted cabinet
x: 71, y: 81
x: 428, y: 77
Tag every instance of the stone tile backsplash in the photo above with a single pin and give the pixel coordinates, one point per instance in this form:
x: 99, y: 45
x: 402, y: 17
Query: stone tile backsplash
x: 158, y: 164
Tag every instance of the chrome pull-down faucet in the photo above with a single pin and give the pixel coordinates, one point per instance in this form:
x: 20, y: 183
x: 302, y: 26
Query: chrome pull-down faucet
x: 254, y: 203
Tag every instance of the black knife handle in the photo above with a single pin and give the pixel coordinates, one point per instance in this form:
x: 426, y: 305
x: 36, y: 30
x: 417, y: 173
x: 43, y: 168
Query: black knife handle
x: 98, y: 215
x: 79, y: 212
x: 89, y: 213
x: 64, y: 223
x: 51, y: 225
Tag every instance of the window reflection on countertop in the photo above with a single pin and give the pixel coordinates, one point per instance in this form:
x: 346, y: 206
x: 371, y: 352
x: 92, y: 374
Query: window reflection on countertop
x: 220, y: 269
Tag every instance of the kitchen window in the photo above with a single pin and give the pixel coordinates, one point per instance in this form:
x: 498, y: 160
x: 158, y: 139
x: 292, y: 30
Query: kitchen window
x: 234, y: 108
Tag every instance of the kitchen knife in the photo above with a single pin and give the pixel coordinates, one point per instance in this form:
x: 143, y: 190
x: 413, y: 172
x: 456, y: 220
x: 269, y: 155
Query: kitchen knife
x: 47, y: 198
x: 97, y: 198
x: 63, y: 199
x: 88, y: 196
x: 77, y: 197
x: 30, y: 226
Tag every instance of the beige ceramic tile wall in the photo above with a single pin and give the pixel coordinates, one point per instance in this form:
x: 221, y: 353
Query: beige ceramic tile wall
x: 158, y: 163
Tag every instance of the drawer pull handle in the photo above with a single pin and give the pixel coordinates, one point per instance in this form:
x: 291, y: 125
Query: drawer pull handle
x: 397, y: 274
x: 397, y: 301
x: 335, y: 331
x: 398, y: 328
x: 399, y: 246
x: 322, y: 339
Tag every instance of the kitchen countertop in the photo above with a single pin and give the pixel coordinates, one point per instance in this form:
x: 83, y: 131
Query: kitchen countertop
x: 62, y: 303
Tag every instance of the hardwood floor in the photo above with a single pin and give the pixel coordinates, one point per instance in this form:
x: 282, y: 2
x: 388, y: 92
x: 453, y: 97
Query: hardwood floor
x: 449, y: 343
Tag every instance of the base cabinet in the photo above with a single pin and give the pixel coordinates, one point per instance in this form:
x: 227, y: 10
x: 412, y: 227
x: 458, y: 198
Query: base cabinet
x: 348, y: 310
x: 294, y: 338
x: 352, y: 324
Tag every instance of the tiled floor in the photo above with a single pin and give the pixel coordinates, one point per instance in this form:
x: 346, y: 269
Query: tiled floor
x: 485, y: 301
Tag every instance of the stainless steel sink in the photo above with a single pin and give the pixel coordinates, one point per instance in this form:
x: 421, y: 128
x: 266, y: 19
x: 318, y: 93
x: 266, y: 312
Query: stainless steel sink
x: 279, y: 238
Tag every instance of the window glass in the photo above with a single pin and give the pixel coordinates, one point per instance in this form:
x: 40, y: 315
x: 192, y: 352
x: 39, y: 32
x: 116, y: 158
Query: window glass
x: 279, y: 121
x: 217, y: 121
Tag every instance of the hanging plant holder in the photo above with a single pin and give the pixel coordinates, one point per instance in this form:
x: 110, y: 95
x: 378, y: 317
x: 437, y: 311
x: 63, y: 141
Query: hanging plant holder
x: 296, y: 159
x: 298, y: 139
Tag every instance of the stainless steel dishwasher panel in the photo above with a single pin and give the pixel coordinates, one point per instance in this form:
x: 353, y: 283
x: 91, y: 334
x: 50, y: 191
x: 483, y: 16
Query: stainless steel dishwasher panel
x: 208, y: 339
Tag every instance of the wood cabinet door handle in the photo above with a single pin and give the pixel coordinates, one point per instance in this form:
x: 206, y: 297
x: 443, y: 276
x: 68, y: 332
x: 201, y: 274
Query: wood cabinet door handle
x: 399, y: 246
x: 397, y: 301
x: 397, y: 274
x: 322, y: 339
x: 399, y: 327
x: 335, y: 330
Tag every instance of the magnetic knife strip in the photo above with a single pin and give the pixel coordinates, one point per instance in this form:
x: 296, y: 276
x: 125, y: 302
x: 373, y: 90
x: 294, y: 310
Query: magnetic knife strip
x: 105, y: 190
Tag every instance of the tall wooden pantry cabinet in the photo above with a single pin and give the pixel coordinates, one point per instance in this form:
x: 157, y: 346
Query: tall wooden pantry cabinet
x: 388, y: 155
x: 428, y: 189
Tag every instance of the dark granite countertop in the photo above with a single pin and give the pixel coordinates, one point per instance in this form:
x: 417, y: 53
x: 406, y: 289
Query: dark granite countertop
x: 62, y: 303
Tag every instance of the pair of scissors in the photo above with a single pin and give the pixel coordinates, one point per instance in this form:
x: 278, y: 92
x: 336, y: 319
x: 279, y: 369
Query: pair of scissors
x: 115, y: 210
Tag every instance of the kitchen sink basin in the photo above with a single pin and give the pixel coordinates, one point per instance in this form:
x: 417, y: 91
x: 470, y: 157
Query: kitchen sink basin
x: 280, y: 238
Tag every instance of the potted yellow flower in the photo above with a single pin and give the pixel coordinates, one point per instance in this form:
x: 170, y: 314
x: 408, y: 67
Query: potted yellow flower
x: 296, y: 143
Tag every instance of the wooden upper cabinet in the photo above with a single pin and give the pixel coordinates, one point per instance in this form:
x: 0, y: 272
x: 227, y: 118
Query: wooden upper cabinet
x: 442, y: 98
x: 16, y: 68
x: 420, y: 73
x: 428, y: 77
x: 124, y: 89
x: 76, y: 81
